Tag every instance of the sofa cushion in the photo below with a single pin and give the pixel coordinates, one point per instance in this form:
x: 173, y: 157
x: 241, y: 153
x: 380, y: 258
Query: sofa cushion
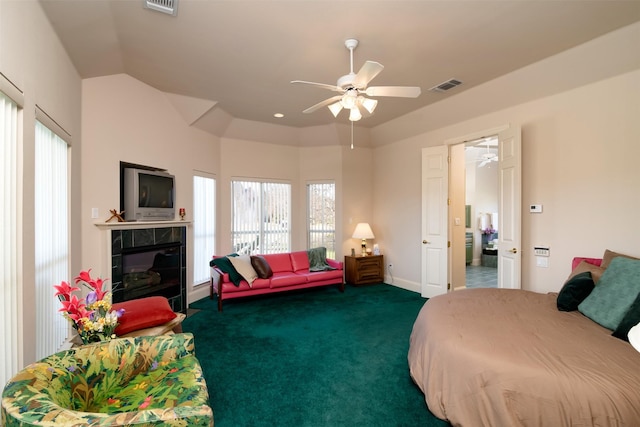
x: 574, y: 291
x: 225, y: 266
x: 280, y: 280
x: 317, y: 276
x: 299, y: 260
x: 261, y: 266
x: 143, y: 313
x: 242, y: 263
x: 279, y: 262
x: 617, y: 289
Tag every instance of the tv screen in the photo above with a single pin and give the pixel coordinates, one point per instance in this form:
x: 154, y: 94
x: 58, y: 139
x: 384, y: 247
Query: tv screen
x: 155, y: 191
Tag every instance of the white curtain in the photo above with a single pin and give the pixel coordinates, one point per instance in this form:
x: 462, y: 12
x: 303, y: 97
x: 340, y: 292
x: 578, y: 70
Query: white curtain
x: 204, y: 226
x: 51, y: 237
x: 10, y: 284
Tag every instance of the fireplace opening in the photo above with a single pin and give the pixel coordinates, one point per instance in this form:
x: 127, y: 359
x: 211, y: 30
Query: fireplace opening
x: 150, y: 271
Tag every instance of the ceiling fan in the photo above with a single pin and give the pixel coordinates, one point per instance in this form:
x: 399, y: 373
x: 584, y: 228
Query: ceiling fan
x: 490, y: 155
x: 352, y: 88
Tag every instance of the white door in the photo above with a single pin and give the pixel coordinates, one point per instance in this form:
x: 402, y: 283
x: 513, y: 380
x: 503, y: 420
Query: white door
x: 435, y: 188
x: 509, y: 209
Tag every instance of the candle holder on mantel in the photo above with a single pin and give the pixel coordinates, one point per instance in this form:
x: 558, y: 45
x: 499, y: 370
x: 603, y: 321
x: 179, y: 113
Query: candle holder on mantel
x: 181, y: 212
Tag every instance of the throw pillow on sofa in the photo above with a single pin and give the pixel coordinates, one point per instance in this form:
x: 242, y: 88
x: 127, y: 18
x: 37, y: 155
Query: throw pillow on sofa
x: 630, y: 319
x: 261, y: 266
x: 242, y: 263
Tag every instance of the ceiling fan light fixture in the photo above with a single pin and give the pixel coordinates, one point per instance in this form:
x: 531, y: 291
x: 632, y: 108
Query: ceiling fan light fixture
x: 335, y: 108
x: 355, y: 114
x: 368, y: 103
x: 349, y: 99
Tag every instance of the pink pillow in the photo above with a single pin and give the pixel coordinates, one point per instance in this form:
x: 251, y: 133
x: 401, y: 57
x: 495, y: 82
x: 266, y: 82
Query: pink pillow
x: 143, y: 313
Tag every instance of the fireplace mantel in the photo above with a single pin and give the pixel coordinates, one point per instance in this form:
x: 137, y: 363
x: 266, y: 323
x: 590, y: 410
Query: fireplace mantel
x: 140, y: 224
x: 120, y: 238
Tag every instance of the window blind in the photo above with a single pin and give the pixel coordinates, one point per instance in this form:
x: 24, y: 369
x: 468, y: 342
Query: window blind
x: 261, y: 217
x: 321, y: 224
x: 204, y: 226
x: 10, y: 284
x: 51, y: 237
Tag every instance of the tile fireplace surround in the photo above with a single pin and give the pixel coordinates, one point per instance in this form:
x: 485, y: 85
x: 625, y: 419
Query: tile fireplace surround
x: 131, y: 238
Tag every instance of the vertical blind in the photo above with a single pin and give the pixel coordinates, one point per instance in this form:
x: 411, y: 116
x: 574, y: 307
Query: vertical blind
x: 204, y: 226
x: 321, y: 198
x: 261, y: 217
x: 51, y: 237
x: 10, y: 284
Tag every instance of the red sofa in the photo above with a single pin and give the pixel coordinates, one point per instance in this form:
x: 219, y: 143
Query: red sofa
x: 290, y: 271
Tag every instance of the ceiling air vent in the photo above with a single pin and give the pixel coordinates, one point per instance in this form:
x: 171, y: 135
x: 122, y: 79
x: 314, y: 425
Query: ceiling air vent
x: 169, y: 7
x: 445, y: 86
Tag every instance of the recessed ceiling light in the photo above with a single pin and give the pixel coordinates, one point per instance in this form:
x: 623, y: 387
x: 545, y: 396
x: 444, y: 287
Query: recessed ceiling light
x: 278, y: 115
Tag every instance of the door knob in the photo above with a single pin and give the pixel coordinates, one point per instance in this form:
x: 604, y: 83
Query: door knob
x: 513, y: 251
x: 424, y: 242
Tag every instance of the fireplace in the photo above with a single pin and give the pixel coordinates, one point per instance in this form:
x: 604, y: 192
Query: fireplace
x: 149, y: 262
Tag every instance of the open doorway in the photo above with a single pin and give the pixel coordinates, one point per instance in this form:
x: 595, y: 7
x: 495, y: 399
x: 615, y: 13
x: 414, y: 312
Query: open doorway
x: 481, y: 212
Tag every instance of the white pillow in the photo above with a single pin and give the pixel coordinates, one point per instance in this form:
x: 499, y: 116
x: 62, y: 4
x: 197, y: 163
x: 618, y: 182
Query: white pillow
x: 242, y: 263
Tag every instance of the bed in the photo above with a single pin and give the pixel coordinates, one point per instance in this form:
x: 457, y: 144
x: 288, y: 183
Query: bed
x: 506, y: 357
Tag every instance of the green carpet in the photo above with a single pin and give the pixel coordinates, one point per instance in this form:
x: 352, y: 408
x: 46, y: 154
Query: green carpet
x: 311, y: 358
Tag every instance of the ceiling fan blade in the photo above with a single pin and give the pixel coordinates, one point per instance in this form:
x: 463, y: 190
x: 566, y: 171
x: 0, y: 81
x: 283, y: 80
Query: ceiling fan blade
x: 322, y: 104
x: 399, y: 91
x: 369, y: 70
x: 322, y: 85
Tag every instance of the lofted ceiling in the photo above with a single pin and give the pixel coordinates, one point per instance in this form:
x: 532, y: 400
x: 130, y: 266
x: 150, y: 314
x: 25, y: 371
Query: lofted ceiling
x: 242, y: 55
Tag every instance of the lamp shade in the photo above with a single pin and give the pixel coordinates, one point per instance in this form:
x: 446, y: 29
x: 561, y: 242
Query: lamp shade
x: 363, y: 231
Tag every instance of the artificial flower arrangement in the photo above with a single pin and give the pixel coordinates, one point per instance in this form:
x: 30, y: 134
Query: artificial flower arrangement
x: 488, y: 231
x: 92, y: 317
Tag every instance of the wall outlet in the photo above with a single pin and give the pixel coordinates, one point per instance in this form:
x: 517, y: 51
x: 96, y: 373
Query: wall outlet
x: 94, y: 213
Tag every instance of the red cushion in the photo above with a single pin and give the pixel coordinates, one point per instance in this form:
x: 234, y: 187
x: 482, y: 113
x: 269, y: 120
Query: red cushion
x: 143, y: 313
x: 279, y: 262
x: 300, y: 260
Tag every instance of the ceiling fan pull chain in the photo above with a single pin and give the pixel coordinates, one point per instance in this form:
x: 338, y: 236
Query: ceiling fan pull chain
x: 352, y: 135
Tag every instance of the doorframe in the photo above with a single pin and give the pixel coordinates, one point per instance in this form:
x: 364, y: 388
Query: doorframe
x: 473, y: 136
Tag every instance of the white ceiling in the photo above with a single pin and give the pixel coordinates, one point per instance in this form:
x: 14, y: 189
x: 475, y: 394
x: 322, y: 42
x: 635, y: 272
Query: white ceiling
x: 242, y: 55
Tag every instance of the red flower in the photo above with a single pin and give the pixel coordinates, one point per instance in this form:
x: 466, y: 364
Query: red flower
x: 65, y: 290
x: 146, y: 402
x: 96, y: 285
x: 73, y: 307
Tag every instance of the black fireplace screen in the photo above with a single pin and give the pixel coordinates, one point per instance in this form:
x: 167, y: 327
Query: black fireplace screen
x: 149, y: 271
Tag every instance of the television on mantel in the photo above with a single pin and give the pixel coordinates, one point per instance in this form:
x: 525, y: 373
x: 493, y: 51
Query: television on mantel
x: 149, y: 195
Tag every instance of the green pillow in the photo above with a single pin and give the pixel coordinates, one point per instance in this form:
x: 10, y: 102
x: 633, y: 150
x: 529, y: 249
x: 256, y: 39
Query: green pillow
x: 617, y: 289
x: 630, y: 319
x: 225, y: 266
x: 574, y: 291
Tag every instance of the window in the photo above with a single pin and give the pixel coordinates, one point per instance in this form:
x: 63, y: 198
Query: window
x: 51, y: 234
x: 261, y: 217
x: 204, y: 225
x: 321, y: 199
x: 9, y: 277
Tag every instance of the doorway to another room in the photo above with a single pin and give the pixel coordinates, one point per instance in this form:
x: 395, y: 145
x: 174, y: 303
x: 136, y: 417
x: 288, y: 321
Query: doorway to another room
x: 481, y: 212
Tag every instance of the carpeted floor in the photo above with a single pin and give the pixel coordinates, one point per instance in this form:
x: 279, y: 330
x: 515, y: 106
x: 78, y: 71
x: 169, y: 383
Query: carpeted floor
x: 311, y: 358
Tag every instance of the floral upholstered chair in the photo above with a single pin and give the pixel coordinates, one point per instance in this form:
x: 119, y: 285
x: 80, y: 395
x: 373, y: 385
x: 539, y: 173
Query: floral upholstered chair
x: 142, y: 381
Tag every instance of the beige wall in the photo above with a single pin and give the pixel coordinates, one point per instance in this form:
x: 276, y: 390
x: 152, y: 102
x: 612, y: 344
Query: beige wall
x: 126, y: 120
x: 33, y: 59
x: 580, y: 151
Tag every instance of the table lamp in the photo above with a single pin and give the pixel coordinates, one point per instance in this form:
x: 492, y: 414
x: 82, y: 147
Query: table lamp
x: 363, y: 231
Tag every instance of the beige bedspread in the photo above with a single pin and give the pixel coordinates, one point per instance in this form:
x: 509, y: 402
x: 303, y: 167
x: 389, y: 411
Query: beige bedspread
x: 501, y: 357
